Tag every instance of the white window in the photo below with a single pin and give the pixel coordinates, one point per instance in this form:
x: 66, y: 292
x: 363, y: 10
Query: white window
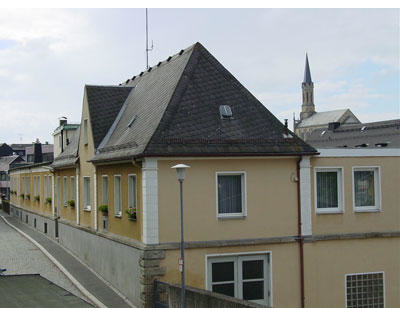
x: 132, y: 191
x: 328, y: 183
x: 104, y: 190
x: 65, y: 191
x: 34, y: 185
x: 231, y: 194
x: 50, y: 186
x: 38, y: 185
x: 366, y: 189
x: 117, y: 196
x: 245, y: 277
x: 85, y: 132
x: 72, y: 188
x: 365, y: 290
x: 86, y: 193
x: 45, y: 186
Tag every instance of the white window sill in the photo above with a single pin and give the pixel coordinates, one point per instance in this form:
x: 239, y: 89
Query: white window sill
x: 65, y: 204
x: 118, y: 215
x: 328, y: 211
x: 367, y: 210
x: 232, y: 216
x: 87, y: 209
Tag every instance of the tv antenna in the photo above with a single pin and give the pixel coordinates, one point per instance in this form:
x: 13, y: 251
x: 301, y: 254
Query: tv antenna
x: 147, y: 42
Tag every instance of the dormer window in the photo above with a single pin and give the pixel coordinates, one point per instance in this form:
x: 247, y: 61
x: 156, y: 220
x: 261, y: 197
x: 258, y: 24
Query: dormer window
x: 225, y: 112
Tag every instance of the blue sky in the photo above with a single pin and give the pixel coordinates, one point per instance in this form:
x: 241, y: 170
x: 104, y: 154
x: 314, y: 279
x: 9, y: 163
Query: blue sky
x: 47, y: 56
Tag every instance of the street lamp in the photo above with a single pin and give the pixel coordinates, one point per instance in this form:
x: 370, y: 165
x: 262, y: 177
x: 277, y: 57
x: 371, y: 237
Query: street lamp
x: 180, y: 171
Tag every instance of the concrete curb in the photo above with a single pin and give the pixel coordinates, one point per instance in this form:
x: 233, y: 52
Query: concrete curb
x: 81, y: 288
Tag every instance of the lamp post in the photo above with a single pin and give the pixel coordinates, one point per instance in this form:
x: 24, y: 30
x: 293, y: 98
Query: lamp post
x: 180, y: 170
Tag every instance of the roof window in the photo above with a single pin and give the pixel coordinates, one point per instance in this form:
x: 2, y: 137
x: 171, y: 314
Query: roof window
x: 384, y: 144
x: 131, y: 121
x: 362, y: 145
x: 363, y: 128
x: 225, y: 111
x: 323, y: 132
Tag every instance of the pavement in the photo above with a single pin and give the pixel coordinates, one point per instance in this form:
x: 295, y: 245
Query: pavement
x: 19, y: 251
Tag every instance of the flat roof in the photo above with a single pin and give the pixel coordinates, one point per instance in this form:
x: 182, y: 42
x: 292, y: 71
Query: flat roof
x: 33, y: 290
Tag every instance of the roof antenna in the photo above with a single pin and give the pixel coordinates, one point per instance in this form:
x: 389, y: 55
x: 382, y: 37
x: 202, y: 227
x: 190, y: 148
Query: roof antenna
x: 147, y: 42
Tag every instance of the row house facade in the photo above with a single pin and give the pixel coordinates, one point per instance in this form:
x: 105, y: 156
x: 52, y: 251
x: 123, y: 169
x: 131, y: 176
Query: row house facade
x: 267, y: 217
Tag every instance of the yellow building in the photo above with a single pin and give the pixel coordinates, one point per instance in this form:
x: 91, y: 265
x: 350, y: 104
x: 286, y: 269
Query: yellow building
x: 266, y: 218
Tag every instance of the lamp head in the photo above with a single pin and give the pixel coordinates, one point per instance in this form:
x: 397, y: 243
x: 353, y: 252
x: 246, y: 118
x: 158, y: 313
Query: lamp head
x: 180, y: 171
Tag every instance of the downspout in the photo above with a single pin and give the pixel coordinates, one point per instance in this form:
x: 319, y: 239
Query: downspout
x: 95, y: 197
x: 77, y: 196
x: 300, y: 236
x: 52, y: 196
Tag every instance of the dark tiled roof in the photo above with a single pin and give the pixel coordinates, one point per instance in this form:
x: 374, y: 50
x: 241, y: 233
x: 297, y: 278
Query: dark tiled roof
x: 104, y: 103
x: 46, y: 148
x: 367, y: 135
x: 6, y: 161
x: 177, y: 109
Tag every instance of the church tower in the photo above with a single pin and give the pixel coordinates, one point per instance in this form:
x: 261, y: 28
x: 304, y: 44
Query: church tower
x: 308, y: 107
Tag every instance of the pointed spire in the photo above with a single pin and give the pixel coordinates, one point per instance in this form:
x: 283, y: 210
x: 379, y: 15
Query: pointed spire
x: 307, y: 73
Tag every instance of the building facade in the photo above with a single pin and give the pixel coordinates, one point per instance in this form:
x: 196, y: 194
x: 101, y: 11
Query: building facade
x: 267, y: 217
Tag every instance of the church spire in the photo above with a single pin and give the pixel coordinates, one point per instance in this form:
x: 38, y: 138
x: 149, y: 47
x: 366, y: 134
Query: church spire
x: 308, y: 107
x: 307, y: 73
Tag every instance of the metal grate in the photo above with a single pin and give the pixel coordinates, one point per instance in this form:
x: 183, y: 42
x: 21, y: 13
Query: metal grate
x: 160, y: 294
x: 365, y: 290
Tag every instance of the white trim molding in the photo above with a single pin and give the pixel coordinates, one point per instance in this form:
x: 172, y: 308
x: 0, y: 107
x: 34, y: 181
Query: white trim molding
x: 244, y: 194
x: 53, y: 210
x: 77, y: 196
x: 340, y: 186
x: 377, y: 189
x: 305, y: 196
x: 150, y: 201
x: 358, y: 152
x: 95, y: 197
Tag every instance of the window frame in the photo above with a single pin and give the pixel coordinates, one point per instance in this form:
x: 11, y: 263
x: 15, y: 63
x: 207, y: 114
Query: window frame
x: 104, y: 176
x: 65, y: 191
x: 365, y: 273
x: 132, y: 175
x: 72, y: 188
x: 377, y: 190
x: 85, y: 206
x: 340, y: 181
x: 238, y: 283
x: 120, y: 195
x: 244, y: 194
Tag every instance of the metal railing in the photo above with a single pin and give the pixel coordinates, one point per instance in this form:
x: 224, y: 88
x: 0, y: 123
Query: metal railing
x: 161, y: 294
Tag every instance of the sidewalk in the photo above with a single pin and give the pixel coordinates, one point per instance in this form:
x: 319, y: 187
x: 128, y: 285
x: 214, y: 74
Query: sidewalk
x: 80, y: 272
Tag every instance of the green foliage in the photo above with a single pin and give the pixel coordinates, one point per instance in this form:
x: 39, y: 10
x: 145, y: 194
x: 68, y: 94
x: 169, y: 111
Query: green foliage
x: 131, y: 213
x: 37, y: 198
x: 71, y: 203
x: 104, y: 209
x: 48, y: 200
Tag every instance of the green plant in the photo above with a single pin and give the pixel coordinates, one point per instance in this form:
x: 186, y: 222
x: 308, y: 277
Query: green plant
x: 37, y: 198
x: 28, y: 196
x: 104, y: 209
x: 71, y: 203
x: 22, y: 195
x: 48, y: 200
x: 131, y: 213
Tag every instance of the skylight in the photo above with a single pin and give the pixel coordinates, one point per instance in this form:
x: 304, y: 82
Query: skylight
x: 131, y: 121
x: 363, y: 128
x: 323, y: 132
x: 225, y: 111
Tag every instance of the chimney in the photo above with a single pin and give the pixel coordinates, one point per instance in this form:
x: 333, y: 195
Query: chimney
x: 63, y: 120
x: 37, y: 152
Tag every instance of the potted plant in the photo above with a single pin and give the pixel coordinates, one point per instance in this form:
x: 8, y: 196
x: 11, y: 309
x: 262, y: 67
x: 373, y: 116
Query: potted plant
x: 104, y: 209
x: 28, y: 196
x: 48, y: 200
x: 37, y: 198
x: 131, y: 213
x: 71, y: 203
x: 22, y: 195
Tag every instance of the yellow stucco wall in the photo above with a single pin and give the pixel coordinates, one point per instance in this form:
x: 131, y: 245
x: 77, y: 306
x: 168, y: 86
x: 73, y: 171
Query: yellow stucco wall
x: 271, y: 199
x: 40, y: 207
x: 284, y: 264
x: 388, y: 219
x: 327, y: 262
x: 66, y: 212
x: 121, y: 225
x: 86, y: 152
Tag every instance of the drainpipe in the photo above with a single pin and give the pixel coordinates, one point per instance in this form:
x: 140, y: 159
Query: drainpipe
x: 52, y: 196
x: 95, y: 197
x: 300, y: 236
x: 77, y: 196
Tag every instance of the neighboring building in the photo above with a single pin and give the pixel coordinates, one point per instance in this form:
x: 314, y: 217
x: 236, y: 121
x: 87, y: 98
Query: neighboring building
x: 5, y: 150
x: 310, y: 119
x: 367, y: 135
x: 63, y: 135
x: 266, y: 218
x: 44, y: 153
x: 20, y: 149
x: 6, y: 163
